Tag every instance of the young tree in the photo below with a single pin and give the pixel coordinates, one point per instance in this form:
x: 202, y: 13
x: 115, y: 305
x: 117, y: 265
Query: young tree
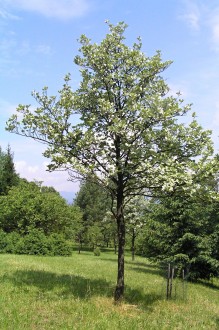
x: 128, y: 138
x: 8, y: 175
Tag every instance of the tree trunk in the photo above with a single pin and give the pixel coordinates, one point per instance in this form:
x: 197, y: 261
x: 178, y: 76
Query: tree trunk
x: 119, y: 291
x: 115, y: 248
x: 133, y: 244
x: 79, y: 247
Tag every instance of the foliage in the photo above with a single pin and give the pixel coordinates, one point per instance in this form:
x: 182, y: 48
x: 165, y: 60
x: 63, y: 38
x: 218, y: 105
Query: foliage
x: 59, y: 246
x: 35, y: 243
x: 13, y: 242
x: 97, y: 251
x: 181, y: 230
x: 128, y: 138
x: 26, y: 207
x: 3, y: 242
x: 135, y: 220
x: 93, y: 202
x: 8, y: 175
x: 94, y: 236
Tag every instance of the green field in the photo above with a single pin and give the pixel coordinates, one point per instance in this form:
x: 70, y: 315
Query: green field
x: 76, y: 293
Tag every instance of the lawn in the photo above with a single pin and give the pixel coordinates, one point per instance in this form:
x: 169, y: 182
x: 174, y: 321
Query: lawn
x: 76, y: 293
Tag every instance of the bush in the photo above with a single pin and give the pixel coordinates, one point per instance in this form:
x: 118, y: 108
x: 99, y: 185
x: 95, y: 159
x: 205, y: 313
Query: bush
x: 12, y: 242
x: 59, y: 246
x: 35, y: 243
x: 3, y: 241
x: 203, y: 267
x: 97, y: 252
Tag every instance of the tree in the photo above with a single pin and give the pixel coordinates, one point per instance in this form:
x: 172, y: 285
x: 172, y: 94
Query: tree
x: 93, y: 202
x: 183, y: 229
x: 128, y: 138
x: 8, y: 175
x: 25, y: 208
x: 135, y: 219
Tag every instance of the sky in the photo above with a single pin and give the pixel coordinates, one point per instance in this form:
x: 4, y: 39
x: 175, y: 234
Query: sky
x: 38, y: 41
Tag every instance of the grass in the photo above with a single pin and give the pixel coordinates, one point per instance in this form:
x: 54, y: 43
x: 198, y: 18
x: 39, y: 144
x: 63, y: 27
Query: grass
x: 76, y: 293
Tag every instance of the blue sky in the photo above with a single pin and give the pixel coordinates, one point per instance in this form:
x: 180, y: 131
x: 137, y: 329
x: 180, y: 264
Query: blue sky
x: 38, y: 41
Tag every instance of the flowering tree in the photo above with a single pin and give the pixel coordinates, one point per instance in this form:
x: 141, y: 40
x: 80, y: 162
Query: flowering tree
x: 128, y: 138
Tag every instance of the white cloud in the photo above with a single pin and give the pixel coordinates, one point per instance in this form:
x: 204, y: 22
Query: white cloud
x: 13, y: 51
x: 59, y: 180
x: 213, y: 22
x: 4, y: 14
x: 191, y: 14
x: 206, y: 16
x: 64, y: 9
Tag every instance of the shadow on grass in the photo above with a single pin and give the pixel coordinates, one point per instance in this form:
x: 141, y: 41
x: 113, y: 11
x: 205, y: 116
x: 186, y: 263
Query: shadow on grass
x: 209, y: 284
x: 139, y: 267
x: 108, y: 259
x: 147, y: 270
x: 75, y: 286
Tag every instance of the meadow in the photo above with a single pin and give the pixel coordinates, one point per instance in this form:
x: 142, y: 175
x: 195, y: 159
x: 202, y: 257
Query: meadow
x: 77, y: 293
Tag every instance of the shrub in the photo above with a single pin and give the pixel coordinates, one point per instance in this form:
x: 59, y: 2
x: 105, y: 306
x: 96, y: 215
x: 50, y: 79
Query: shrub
x: 35, y: 243
x: 12, y: 242
x: 97, y: 252
x: 59, y: 246
x: 204, y: 267
x: 3, y: 241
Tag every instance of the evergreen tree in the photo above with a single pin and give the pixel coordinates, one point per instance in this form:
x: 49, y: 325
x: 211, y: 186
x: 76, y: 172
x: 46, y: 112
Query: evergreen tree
x: 183, y: 230
x: 8, y: 175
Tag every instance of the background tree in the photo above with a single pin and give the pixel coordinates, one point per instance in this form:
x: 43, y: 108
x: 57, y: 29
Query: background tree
x: 26, y: 207
x: 93, y: 202
x: 8, y: 175
x: 135, y: 219
x: 183, y: 230
x: 128, y: 138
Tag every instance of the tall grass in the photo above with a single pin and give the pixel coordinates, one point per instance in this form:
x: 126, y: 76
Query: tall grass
x: 76, y: 293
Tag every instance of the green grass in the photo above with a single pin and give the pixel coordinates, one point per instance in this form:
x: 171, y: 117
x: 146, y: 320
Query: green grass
x: 76, y: 293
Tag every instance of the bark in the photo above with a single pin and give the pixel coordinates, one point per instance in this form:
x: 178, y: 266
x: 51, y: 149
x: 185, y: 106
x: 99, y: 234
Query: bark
x: 119, y: 291
x: 133, y: 244
x: 79, y: 247
x: 115, y: 248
